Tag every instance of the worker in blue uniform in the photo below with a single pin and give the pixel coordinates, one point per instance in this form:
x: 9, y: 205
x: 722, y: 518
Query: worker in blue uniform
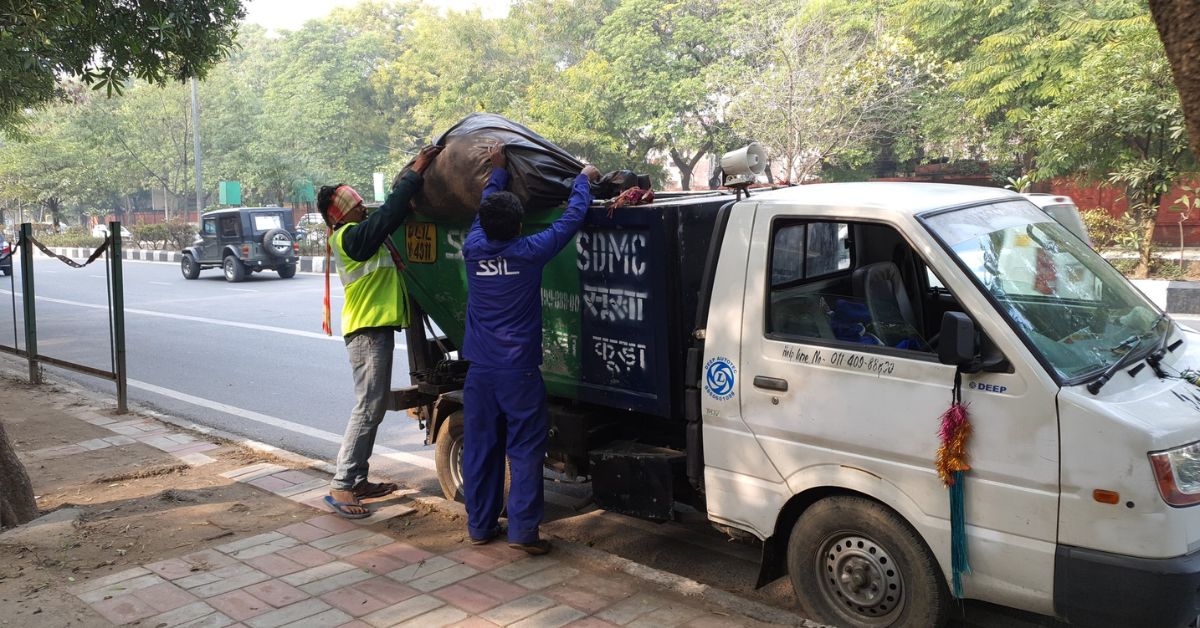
x: 504, y: 397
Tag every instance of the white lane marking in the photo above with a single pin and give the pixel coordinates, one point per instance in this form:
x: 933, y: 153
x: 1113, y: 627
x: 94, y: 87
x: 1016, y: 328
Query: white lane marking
x: 160, y: 283
x: 266, y: 419
x: 97, y: 276
x: 210, y: 321
x: 243, y: 290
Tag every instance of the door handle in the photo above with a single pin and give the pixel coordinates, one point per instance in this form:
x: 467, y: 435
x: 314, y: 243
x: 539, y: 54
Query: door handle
x: 770, y: 383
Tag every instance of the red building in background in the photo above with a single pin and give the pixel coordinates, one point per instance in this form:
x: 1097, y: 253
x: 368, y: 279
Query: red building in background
x: 1088, y: 196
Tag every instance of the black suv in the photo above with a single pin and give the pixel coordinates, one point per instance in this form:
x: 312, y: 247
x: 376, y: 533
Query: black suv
x: 243, y: 240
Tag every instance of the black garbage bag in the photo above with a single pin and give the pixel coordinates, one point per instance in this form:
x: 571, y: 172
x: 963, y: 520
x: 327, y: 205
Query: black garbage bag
x: 541, y: 174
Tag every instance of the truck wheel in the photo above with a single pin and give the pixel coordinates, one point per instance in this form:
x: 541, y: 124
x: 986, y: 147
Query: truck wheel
x: 854, y: 562
x: 447, y: 457
x: 234, y: 270
x: 188, y: 265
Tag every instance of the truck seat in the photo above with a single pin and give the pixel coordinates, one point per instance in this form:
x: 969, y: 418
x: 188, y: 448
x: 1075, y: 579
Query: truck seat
x: 881, y: 287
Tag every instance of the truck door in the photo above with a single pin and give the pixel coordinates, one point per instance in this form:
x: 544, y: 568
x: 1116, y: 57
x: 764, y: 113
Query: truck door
x: 841, y: 386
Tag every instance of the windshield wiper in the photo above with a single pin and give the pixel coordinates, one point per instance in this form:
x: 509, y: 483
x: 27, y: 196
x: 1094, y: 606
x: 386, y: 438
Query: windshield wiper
x: 1156, y: 357
x: 1133, y: 342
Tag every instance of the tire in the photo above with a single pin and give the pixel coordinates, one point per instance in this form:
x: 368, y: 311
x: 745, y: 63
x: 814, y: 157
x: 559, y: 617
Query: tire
x: 854, y: 562
x: 6, y: 271
x: 190, y: 268
x: 235, y: 271
x: 277, y: 243
x: 447, y: 456
x: 286, y: 272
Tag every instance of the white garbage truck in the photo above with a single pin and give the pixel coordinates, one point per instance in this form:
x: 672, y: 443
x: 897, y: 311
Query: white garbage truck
x: 782, y: 363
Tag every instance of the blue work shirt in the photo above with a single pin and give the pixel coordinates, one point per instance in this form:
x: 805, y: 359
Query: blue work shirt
x: 504, y: 281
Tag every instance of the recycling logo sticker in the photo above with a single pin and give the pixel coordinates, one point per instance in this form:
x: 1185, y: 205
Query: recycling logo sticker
x: 719, y: 375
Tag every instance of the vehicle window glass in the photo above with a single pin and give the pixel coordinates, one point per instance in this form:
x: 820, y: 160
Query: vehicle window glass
x: 814, y: 300
x: 229, y: 226
x: 826, y: 250
x: 266, y: 222
x: 933, y: 280
x: 210, y: 227
x: 1078, y: 312
x: 787, y: 254
x: 809, y: 250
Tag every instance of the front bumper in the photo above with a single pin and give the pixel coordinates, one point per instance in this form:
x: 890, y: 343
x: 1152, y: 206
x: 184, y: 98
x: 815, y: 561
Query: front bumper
x: 1093, y: 588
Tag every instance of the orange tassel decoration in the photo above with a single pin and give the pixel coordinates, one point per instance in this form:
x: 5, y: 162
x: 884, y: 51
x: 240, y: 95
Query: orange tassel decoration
x: 951, y: 464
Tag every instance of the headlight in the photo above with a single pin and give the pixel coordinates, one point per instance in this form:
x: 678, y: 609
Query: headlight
x: 1178, y: 474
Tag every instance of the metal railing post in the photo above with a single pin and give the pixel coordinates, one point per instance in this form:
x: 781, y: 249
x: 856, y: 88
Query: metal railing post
x: 118, y: 314
x: 27, y: 299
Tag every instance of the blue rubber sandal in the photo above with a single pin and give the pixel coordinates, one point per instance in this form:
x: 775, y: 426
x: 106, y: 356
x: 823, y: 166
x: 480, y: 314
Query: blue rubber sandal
x: 339, y: 508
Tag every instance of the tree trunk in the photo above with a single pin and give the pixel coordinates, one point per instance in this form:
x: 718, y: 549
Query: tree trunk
x: 1146, y: 252
x: 1178, y: 24
x: 17, y: 505
x: 687, y: 164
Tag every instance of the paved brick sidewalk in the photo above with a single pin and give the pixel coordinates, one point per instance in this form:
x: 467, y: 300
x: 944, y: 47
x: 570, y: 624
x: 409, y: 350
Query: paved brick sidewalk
x: 327, y: 571
x: 314, y: 571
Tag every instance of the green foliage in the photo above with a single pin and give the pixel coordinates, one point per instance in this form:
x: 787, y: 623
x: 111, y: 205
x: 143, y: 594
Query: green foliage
x: 1003, y: 61
x: 1124, y: 265
x: 1108, y: 232
x: 1166, y: 269
x: 171, y: 236
x: 71, y: 238
x: 821, y: 84
x: 105, y: 43
x: 838, y: 89
x: 1118, y: 118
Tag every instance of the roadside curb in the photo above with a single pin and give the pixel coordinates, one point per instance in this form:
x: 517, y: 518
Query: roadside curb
x: 676, y: 583
x: 308, y: 263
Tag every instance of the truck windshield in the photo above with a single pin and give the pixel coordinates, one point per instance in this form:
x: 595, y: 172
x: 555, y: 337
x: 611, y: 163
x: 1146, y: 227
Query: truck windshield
x: 1078, y: 312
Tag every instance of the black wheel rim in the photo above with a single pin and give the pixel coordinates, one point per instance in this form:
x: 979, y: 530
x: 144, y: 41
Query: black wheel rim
x: 860, y: 579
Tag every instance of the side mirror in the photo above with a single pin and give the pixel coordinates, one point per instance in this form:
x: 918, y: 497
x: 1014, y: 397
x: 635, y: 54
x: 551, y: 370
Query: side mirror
x: 956, y: 343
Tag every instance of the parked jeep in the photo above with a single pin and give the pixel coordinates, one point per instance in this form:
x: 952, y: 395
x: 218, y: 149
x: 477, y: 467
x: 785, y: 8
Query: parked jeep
x: 243, y: 240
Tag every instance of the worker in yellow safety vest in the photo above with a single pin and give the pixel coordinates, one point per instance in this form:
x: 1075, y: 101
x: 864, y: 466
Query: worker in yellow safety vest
x: 375, y: 308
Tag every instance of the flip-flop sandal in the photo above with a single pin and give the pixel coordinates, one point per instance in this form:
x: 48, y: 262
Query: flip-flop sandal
x: 370, y: 490
x: 340, y: 508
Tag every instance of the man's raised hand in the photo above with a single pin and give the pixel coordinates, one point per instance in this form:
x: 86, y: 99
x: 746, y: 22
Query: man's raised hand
x: 497, y: 157
x: 424, y: 158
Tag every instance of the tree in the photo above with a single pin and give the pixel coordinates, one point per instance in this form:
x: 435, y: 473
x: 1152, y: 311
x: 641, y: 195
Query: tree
x: 17, y: 504
x: 1002, y: 61
x: 145, y: 137
x: 106, y: 42
x: 325, y: 118
x: 1119, y: 117
x: 822, y: 83
x: 52, y: 167
x: 662, y: 54
x: 1178, y: 24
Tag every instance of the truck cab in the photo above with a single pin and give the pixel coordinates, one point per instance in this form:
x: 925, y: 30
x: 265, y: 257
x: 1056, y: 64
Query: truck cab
x: 812, y: 337
x: 824, y: 387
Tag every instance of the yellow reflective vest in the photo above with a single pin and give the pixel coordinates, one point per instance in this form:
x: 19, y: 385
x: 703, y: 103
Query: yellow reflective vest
x: 375, y: 292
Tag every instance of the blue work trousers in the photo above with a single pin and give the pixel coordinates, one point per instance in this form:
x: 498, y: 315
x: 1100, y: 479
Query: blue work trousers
x: 504, y: 413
